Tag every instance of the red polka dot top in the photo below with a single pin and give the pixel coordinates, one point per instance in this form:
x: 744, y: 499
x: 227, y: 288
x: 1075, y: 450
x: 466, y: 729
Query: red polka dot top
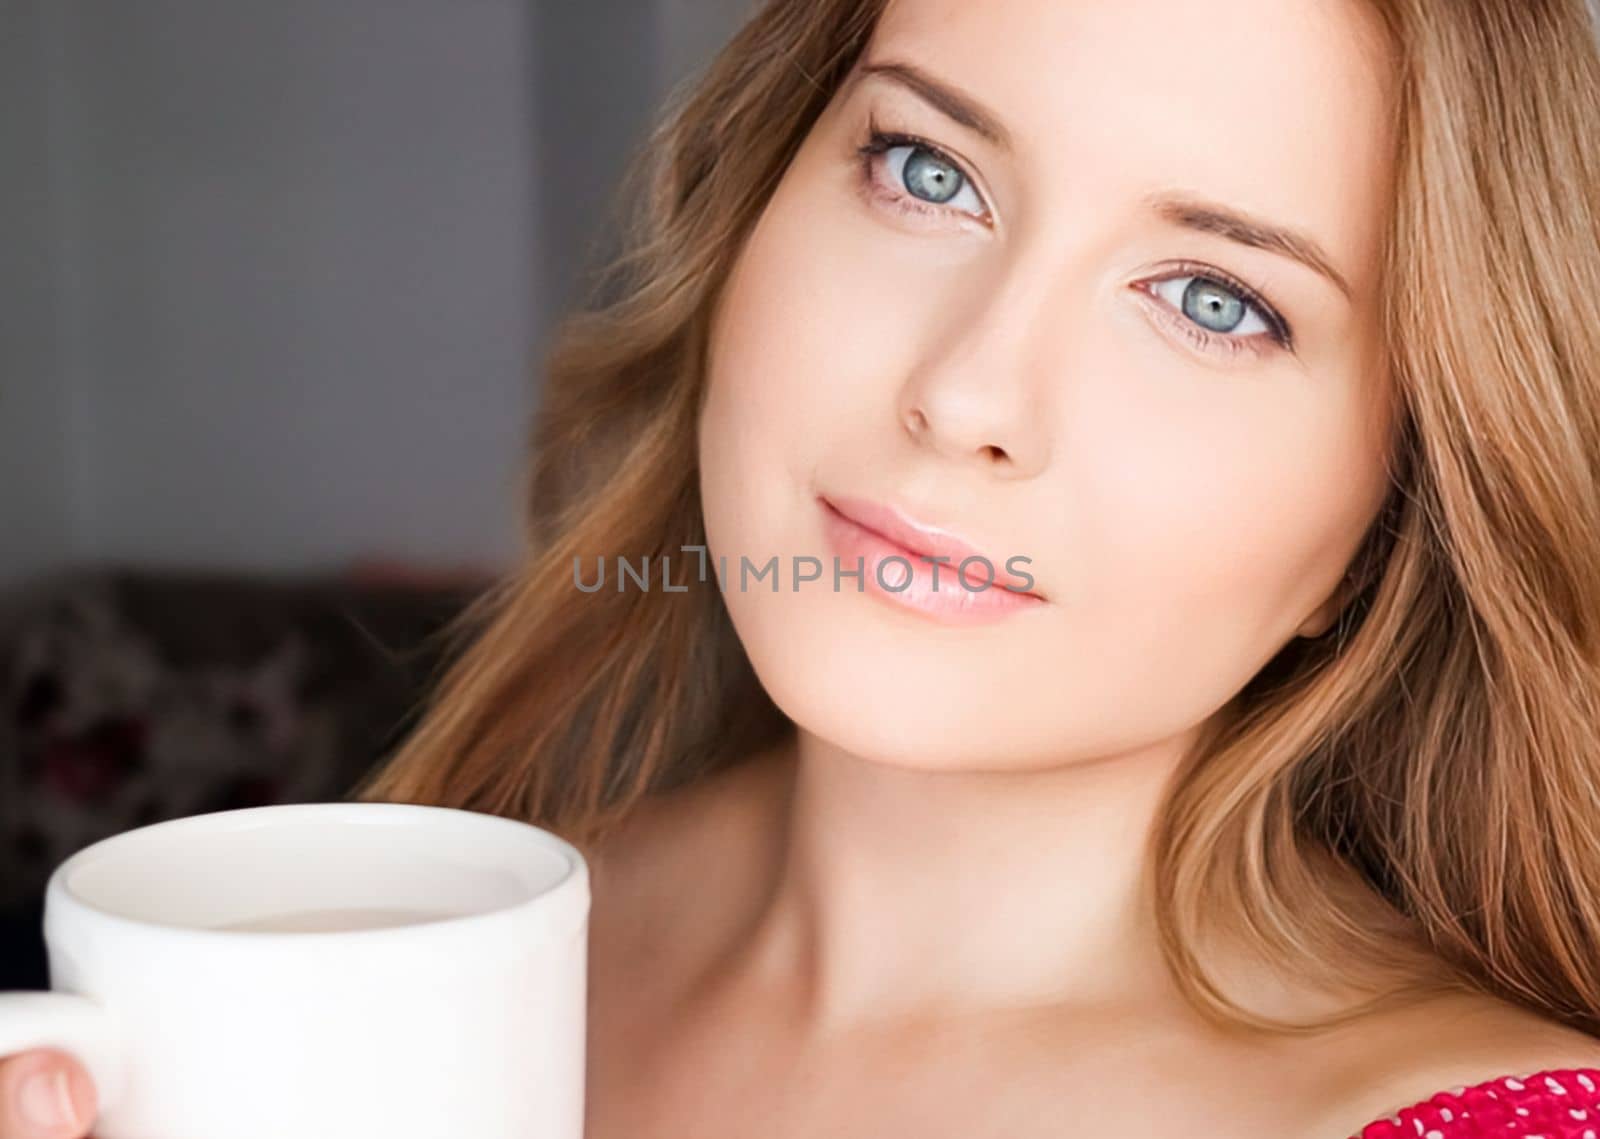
x: 1555, y: 1103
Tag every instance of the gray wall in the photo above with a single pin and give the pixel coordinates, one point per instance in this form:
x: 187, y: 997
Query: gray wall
x: 278, y: 274
x: 604, y: 67
x: 35, y: 500
x: 598, y: 83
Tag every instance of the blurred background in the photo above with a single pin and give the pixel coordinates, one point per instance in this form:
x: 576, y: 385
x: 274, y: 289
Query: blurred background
x: 275, y: 277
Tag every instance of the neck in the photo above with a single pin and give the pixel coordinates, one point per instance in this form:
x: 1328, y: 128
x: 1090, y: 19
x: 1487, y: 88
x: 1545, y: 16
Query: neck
x: 897, y: 893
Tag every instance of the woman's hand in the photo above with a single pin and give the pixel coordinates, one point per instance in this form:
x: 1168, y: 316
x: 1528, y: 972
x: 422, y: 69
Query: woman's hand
x: 45, y: 1094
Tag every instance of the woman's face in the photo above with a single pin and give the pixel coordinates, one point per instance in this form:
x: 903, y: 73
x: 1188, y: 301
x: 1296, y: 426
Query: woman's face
x: 1113, y: 314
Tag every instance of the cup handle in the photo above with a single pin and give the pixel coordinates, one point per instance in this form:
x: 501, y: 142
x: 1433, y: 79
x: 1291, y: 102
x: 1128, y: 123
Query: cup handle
x: 72, y: 1023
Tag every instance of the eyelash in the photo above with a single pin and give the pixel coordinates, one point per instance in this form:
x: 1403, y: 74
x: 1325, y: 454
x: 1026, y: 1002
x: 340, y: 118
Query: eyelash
x: 879, y: 141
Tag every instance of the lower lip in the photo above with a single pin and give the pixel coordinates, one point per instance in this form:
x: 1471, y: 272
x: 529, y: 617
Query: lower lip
x: 951, y: 602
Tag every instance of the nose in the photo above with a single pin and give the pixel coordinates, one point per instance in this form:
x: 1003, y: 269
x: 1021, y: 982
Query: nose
x: 977, y: 397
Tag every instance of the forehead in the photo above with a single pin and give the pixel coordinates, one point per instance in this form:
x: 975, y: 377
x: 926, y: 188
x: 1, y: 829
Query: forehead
x: 1277, y: 107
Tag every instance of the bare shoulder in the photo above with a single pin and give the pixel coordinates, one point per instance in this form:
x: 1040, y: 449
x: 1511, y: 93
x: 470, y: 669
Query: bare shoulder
x: 665, y: 884
x: 1455, y: 1042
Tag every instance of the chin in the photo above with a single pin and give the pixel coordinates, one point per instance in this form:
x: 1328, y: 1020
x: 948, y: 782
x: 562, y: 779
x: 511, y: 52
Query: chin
x: 877, y: 695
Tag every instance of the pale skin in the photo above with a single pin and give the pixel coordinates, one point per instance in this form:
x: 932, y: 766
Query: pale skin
x: 926, y: 914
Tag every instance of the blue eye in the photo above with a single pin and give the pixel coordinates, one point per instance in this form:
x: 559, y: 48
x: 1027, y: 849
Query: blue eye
x: 929, y: 177
x: 919, y: 177
x: 1214, y: 306
x: 1219, y: 311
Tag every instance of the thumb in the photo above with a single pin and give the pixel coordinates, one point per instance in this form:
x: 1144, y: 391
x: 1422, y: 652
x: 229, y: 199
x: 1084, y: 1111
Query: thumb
x: 45, y: 1094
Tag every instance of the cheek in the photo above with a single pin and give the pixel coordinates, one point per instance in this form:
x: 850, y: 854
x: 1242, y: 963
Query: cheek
x: 803, y: 336
x: 1213, y: 509
x: 803, y: 360
x: 1201, y: 509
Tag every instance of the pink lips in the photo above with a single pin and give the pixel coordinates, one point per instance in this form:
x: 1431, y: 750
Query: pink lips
x: 874, y: 533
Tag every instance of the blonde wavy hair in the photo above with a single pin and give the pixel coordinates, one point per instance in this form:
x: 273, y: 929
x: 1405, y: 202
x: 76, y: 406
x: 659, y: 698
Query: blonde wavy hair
x: 1442, y: 741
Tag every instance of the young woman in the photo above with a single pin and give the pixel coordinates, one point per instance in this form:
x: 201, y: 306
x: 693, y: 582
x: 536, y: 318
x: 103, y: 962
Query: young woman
x: 1238, y: 773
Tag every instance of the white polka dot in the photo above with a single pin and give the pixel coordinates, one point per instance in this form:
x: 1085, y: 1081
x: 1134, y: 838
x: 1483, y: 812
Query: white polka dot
x: 1513, y: 1083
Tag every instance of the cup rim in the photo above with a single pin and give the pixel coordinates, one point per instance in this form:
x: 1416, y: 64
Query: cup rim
x: 565, y: 904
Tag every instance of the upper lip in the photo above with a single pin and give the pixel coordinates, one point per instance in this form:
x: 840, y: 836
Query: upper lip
x: 902, y: 529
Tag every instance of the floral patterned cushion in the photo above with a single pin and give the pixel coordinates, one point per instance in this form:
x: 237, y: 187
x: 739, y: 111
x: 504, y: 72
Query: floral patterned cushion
x: 130, y: 698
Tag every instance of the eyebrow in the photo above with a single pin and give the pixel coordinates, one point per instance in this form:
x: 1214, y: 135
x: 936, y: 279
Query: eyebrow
x: 952, y: 101
x: 1179, y: 209
x: 1211, y: 217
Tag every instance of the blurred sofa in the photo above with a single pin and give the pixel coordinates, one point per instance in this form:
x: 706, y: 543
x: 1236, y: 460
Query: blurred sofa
x: 130, y: 697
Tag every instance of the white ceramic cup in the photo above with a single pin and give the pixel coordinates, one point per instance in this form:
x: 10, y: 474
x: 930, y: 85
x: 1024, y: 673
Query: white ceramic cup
x: 426, y: 980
